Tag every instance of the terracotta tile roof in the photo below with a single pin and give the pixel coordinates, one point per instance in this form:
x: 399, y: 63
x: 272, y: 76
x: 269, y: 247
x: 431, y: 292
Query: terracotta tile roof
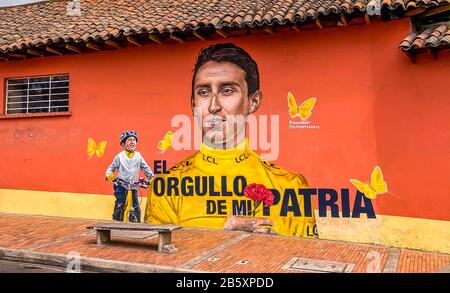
x: 48, y: 22
x: 437, y: 36
x: 407, y: 4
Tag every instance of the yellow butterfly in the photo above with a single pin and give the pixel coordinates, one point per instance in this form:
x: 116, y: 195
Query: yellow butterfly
x: 98, y: 149
x: 166, y: 142
x: 377, y: 184
x: 303, y: 111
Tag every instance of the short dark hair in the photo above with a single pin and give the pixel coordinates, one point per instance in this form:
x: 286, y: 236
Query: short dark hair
x: 228, y: 52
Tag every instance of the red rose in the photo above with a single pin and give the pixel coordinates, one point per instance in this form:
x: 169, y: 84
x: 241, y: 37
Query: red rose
x: 259, y: 193
x: 268, y: 200
x: 250, y: 191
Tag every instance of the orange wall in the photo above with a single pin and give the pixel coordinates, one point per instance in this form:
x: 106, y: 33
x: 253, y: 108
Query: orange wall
x: 373, y: 107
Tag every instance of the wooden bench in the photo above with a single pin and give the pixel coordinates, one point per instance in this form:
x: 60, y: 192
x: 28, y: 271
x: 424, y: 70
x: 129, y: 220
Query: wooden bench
x: 164, y: 233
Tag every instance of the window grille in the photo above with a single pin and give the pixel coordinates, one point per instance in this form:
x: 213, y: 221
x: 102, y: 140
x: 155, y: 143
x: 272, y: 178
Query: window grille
x: 42, y: 94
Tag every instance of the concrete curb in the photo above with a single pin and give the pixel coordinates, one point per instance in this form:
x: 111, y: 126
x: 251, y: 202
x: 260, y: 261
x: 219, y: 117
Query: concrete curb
x: 87, y: 263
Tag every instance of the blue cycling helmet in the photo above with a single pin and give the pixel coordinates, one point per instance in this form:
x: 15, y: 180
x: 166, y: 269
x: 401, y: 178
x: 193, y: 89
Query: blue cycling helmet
x: 127, y: 134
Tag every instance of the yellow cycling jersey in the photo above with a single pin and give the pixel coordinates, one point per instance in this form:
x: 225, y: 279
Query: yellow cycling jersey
x: 207, y: 187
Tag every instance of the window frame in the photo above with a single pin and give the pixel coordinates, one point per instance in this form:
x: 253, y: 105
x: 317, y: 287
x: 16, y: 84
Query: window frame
x: 4, y: 114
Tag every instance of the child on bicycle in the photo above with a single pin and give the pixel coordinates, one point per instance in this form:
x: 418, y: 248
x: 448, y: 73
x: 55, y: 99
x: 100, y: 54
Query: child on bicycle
x: 128, y: 162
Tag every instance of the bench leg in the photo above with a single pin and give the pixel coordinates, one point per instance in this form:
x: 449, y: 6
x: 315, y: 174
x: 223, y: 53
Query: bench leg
x: 165, y: 243
x: 103, y: 236
x: 164, y: 238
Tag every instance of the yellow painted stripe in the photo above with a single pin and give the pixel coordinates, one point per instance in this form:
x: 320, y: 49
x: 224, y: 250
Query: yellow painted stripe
x: 59, y: 204
x: 405, y: 232
x: 414, y: 233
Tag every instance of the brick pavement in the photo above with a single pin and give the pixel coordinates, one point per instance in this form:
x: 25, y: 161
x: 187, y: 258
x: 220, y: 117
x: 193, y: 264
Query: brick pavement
x: 209, y: 250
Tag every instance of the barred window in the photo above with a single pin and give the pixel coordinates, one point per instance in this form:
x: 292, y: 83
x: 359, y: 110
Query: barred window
x: 42, y: 94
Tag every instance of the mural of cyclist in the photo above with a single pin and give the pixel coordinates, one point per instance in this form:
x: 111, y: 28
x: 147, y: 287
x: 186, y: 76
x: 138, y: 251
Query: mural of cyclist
x: 225, y: 84
x: 127, y: 163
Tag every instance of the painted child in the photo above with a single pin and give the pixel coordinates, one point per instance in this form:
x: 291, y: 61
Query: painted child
x: 127, y: 162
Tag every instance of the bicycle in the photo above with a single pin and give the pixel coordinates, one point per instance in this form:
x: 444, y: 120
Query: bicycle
x: 126, y: 210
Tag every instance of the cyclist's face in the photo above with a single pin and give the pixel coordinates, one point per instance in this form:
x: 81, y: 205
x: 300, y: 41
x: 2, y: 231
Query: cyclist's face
x: 221, y: 96
x: 130, y: 144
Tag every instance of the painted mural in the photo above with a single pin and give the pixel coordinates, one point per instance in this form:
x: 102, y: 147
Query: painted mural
x: 226, y: 183
x: 290, y: 143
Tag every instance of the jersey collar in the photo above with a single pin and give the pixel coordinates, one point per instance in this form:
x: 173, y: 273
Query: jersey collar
x: 234, y: 152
